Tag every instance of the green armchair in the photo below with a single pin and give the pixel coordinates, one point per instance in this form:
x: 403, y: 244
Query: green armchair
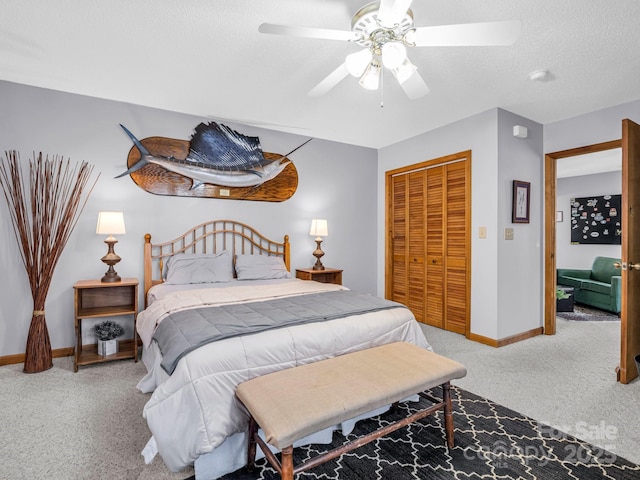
x: 598, y: 287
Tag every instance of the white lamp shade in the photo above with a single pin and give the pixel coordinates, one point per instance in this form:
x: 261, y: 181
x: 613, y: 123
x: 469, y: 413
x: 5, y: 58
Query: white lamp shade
x: 319, y: 228
x: 110, y: 223
x: 370, y: 80
x: 393, y: 54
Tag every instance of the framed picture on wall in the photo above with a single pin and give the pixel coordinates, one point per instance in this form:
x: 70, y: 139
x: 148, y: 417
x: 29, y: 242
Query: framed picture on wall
x: 520, y: 207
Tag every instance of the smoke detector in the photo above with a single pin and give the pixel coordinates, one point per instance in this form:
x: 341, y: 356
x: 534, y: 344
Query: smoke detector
x: 539, y: 75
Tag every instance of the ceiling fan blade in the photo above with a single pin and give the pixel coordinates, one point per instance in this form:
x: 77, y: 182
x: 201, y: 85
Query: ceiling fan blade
x: 330, y: 81
x: 414, y: 86
x: 308, y: 32
x: 391, y: 12
x: 466, y: 34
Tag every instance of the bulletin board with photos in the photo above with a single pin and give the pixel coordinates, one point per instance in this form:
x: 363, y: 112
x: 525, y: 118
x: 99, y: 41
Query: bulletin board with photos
x: 596, y: 220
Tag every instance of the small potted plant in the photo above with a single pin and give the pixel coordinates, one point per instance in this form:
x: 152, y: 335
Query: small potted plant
x: 107, y: 332
x: 564, y: 302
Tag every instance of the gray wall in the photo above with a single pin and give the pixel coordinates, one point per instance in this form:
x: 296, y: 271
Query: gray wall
x: 342, y: 183
x: 581, y: 256
x: 505, y: 275
x: 588, y: 129
x: 521, y: 260
x: 336, y: 182
x: 591, y: 128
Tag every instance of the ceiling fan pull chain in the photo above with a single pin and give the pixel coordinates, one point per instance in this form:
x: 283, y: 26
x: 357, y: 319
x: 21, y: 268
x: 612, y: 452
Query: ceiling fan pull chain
x: 382, y: 88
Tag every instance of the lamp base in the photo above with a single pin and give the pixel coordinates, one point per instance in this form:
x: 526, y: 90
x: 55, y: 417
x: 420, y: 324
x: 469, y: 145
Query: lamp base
x: 110, y: 276
x: 318, y: 253
x: 111, y: 258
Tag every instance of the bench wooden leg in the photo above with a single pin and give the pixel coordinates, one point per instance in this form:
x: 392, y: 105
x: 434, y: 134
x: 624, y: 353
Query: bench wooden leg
x: 251, y: 451
x: 287, y: 463
x: 448, y: 414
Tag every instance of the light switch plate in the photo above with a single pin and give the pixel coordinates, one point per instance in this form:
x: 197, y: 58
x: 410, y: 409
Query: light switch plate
x: 508, y: 233
x: 482, y: 232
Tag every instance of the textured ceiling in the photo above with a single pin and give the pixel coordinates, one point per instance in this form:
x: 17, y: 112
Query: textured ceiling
x: 206, y: 57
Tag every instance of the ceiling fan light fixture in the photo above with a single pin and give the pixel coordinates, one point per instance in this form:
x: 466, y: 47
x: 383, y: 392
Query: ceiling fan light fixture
x: 393, y: 54
x: 404, y: 71
x: 370, y: 79
x: 357, y: 62
x: 385, y: 28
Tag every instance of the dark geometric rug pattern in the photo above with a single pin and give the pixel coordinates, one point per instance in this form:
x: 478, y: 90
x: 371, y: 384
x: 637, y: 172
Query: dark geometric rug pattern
x: 582, y: 313
x: 491, y: 442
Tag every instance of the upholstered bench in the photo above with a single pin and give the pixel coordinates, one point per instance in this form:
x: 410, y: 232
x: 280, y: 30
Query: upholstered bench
x: 293, y: 403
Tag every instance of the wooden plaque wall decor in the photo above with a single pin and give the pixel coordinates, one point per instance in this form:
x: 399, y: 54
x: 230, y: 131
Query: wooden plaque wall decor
x: 157, y: 179
x: 596, y: 220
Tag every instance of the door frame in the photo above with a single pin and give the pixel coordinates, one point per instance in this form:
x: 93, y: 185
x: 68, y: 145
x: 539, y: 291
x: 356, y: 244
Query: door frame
x: 550, y: 164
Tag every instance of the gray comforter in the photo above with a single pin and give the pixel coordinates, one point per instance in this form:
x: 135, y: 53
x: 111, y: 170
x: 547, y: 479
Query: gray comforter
x: 184, y: 331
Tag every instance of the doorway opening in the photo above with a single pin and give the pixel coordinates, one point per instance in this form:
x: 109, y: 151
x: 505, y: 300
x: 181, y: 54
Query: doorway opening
x: 551, y: 169
x: 588, y: 232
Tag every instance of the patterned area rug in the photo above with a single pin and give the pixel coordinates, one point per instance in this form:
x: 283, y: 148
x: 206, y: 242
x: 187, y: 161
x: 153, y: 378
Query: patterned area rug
x: 588, y: 314
x: 491, y: 442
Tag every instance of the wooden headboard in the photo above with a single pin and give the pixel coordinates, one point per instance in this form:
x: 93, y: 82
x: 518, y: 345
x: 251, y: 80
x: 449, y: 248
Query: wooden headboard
x: 210, y: 237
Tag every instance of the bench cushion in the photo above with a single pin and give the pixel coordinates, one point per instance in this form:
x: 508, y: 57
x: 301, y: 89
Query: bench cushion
x: 293, y: 403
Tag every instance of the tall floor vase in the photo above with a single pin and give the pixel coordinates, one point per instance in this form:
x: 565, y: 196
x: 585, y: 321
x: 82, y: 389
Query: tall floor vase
x: 38, y: 355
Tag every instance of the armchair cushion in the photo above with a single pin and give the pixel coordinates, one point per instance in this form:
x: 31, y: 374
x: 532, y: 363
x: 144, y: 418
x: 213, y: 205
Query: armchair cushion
x: 599, y: 287
x: 574, y: 282
x: 570, y: 272
x: 602, y: 269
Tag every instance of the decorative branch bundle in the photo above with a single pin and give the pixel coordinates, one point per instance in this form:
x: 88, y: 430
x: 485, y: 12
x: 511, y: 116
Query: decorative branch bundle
x: 43, y: 213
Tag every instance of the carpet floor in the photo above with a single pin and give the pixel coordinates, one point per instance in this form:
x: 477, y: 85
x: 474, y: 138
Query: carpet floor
x: 492, y: 441
x: 582, y: 313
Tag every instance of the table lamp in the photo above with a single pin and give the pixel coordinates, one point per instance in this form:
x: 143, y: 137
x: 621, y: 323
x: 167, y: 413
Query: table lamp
x: 318, y: 229
x: 110, y: 223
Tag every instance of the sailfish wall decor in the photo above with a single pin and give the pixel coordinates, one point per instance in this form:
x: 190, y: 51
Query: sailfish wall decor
x: 218, y: 162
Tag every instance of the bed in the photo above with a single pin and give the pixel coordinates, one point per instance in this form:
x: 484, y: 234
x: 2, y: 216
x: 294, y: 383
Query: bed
x: 225, y: 277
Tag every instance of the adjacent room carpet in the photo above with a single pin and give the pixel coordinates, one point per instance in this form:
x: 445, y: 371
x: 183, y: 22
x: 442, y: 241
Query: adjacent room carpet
x: 588, y: 314
x: 492, y: 441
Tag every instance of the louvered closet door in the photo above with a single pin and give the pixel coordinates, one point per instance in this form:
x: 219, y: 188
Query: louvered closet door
x: 435, y: 234
x: 456, y: 249
x: 428, y: 223
x: 409, y: 242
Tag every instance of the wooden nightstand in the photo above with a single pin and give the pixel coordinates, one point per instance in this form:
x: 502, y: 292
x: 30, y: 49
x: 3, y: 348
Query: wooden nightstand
x: 328, y: 275
x: 95, y: 299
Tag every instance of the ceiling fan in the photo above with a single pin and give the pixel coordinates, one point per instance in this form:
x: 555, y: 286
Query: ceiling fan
x: 385, y: 29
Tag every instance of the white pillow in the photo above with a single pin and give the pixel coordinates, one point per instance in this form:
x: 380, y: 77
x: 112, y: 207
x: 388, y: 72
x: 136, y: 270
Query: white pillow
x: 185, y: 268
x: 260, y: 267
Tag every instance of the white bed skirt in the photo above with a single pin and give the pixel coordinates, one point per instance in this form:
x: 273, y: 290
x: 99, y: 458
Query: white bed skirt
x: 232, y: 454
